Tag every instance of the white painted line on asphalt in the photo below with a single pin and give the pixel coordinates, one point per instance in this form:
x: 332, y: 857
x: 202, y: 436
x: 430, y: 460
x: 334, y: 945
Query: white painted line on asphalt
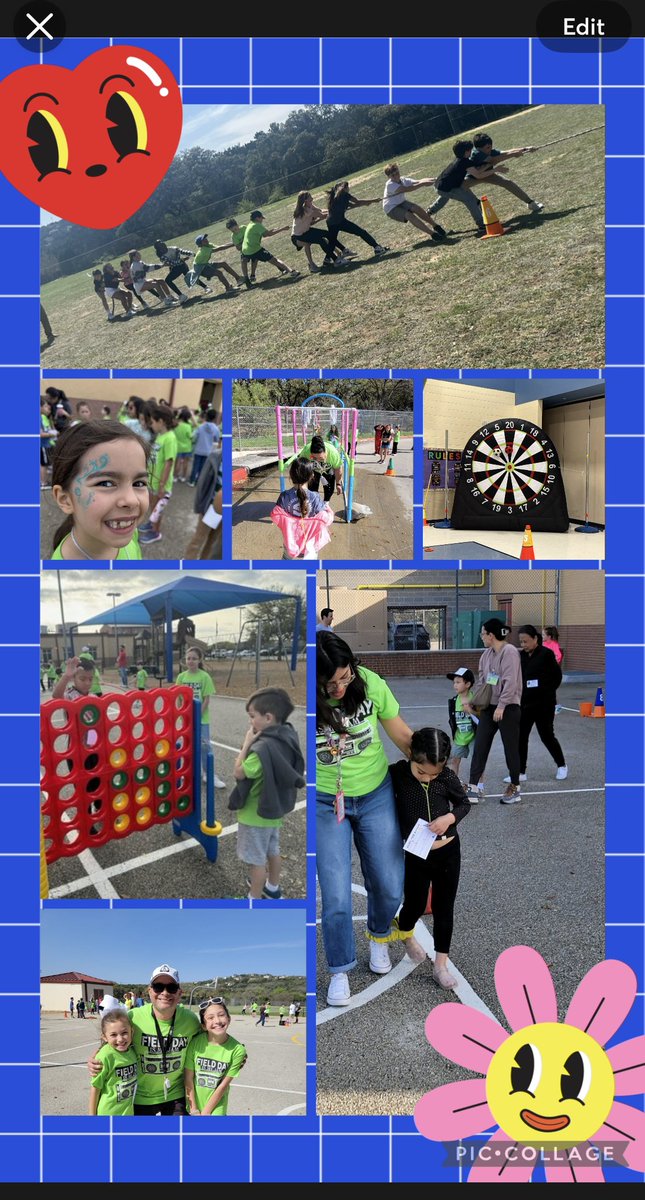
x: 555, y: 792
x: 69, y: 1050
x: 251, y: 1087
x: 284, y: 1112
x: 143, y: 860
x: 463, y: 991
x: 96, y: 876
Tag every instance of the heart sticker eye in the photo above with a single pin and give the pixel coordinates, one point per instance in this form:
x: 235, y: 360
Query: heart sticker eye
x: 128, y: 132
x: 50, y: 151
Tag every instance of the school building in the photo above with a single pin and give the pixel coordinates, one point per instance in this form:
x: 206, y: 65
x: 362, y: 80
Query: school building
x: 395, y: 620
x: 55, y: 990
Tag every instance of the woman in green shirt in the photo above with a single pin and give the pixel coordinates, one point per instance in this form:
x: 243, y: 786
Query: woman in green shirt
x: 355, y: 801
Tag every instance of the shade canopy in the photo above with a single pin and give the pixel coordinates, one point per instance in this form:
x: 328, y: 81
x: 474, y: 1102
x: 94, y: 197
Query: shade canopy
x: 186, y: 596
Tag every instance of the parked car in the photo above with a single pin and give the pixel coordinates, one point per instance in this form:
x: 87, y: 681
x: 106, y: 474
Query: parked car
x: 411, y: 635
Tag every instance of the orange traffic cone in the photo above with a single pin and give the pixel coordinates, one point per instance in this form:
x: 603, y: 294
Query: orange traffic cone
x: 390, y: 469
x: 599, y: 706
x: 527, y: 544
x: 494, y: 227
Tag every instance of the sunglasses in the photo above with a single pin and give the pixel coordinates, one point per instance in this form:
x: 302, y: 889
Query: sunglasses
x: 171, y: 988
x: 332, y: 689
x: 211, y: 1000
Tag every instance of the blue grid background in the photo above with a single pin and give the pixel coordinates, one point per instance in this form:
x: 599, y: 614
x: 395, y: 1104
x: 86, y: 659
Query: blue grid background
x: 311, y: 70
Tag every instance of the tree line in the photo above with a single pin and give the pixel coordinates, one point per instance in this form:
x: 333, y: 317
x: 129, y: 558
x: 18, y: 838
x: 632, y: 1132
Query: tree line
x: 393, y: 394
x: 313, y: 146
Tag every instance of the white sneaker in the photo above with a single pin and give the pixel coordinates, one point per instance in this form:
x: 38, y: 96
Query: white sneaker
x: 380, y: 958
x: 562, y: 772
x: 219, y: 783
x: 313, y: 269
x: 208, y: 290
x: 338, y: 990
x: 169, y: 303
x: 507, y: 779
x: 474, y: 793
x: 183, y: 298
x: 535, y: 206
x: 511, y: 795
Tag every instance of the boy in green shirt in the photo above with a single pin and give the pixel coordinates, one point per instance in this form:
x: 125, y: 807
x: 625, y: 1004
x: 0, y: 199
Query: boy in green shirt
x: 203, y: 688
x: 269, y: 769
x: 142, y: 677
x: 462, y: 724
x: 253, y: 252
x: 202, y: 266
x: 160, y: 471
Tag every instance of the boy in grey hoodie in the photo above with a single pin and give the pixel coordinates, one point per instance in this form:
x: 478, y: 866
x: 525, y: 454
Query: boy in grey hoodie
x: 269, y: 769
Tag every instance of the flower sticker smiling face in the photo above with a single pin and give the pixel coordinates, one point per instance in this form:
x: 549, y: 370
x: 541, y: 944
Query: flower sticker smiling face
x: 546, y: 1084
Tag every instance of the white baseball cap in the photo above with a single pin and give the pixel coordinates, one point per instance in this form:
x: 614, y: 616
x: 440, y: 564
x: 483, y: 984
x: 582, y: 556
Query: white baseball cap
x: 164, y: 969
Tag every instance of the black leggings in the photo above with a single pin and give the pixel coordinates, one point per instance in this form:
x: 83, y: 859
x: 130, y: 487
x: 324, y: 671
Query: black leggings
x: 179, y: 268
x: 329, y: 484
x: 542, y: 718
x: 441, y: 869
x: 348, y: 227
x: 509, y: 727
x: 316, y: 237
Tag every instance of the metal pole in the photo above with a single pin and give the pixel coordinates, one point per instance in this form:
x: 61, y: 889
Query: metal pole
x: 62, y: 614
x: 116, y: 627
x: 239, y: 431
x: 586, y: 527
x: 258, y: 645
x: 168, y: 639
x: 445, y: 523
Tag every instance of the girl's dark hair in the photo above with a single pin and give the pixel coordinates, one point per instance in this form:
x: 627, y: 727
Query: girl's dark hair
x: 220, y: 1004
x: 160, y: 248
x: 300, y: 204
x: 184, y: 414
x: 551, y: 632
x: 430, y: 745
x: 161, y: 412
x: 333, y: 431
x: 317, y: 444
x: 138, y: 403
x: 55, y: 393
x: 70, y: 447
x: 300, y: 474
x: 494, y: 626
x: 531, y: 632
x: 331, y: 653
x: 335, y: 191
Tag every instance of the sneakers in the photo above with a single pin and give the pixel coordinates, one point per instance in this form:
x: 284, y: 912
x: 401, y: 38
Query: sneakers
x: 329, y: 262
x: 535, y: 206
x: 183, y: 298
x: 438, y: 233
x: 271, y: 893
x: 313, y: 269
x: 481, y: 231
x: 169, y: 303
x: 338, y: 990
x: 110, y: 316
x: 209, y: 291
x: 442, y: 976
x: 146, y: 538
x: 561, y: 772
x: 474, y: 794
x: 219, y: 783
x: 511, y: 795
x: 380, y: 958
x: 350, y: 254
x: 507, y: 779
x: 379, y: 250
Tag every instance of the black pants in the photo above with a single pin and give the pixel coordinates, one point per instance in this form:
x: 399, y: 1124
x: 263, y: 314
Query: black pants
x: 329, y: 484
x: 542, y: 718
x: 441, y: 869
x: 509, y: 727
x: 166, y: 1108
x: 316, y: 237
x: 348, y: 227
x: 179, y: 268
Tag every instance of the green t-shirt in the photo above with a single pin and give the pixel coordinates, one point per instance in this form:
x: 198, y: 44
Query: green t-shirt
x: 142, y: 678
x: 132, y: 550
x: 465, y: 728
x: 203, y: 255
x: 238, y: 238
x: 333, y: 459
x: 211, y: 1064
x: 146, y: 1043
x: 249, y: 815
x: 397, y: 436
x: 164, y: 449
x: 117, y: 1081
x: 95, y: 686
x: 202, y: 685
x: 253, y: 235
x: 51, y: 671
x: 184, y: 436
x: 363, y: 762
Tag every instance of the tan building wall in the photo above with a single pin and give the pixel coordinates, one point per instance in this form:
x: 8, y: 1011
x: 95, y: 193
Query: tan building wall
x: 114, y: 391
x: 532, y: 595
x: 567, y: 427
x: 460, y: 408
x: 582, y: 598
x: 359, y: 617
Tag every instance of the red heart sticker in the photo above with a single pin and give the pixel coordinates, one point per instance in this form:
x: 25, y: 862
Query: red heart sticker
x: 91, y: 145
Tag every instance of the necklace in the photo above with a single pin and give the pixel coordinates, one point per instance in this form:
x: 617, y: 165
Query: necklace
x: 80, y: 548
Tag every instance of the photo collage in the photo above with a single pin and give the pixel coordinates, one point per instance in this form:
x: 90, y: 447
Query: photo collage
x: 289, y: 873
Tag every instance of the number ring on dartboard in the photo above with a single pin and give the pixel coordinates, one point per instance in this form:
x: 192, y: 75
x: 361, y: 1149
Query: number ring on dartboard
x: 509, y: 465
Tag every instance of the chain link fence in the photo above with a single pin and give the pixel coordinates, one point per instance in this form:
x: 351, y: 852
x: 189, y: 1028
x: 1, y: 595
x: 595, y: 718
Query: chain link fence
x: 255, y: 428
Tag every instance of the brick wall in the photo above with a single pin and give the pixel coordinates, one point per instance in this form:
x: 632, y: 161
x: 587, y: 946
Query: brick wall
x: 420, y: 663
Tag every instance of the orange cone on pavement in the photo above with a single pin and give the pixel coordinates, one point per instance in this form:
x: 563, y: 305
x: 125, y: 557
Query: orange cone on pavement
x: 599, y: 706
x: 390, y: 469
x: 494, y: 227
x: 527, y: 544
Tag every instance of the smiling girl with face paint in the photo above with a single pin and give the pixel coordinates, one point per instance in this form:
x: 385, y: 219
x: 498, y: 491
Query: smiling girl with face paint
x: 100, y: 481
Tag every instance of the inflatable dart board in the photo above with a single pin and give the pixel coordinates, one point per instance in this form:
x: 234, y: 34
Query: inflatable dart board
x: 510, y: 477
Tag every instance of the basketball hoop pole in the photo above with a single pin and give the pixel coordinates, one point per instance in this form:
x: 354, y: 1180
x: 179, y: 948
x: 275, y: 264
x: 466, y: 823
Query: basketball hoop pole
x: 445, y: 523
x: 586, y: 527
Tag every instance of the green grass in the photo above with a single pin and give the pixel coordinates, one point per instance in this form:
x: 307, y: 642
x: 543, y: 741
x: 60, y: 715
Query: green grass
x: 533, y: 298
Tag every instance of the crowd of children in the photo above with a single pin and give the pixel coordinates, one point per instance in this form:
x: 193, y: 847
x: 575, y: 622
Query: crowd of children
x: 113, y: 478
x: 475, y: 162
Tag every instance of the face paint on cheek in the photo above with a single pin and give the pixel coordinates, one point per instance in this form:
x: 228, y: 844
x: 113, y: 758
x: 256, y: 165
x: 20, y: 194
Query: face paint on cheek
x: 94, y: 466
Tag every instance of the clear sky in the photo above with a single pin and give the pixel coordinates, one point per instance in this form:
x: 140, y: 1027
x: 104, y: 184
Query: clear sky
x: 125, y: 945
x: 85, y: 594
x: 218, y: 126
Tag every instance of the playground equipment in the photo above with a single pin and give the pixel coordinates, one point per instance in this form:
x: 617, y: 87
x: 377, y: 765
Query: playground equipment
x: 115, y: 765
x: 304, y: 422
x: 257, y: 621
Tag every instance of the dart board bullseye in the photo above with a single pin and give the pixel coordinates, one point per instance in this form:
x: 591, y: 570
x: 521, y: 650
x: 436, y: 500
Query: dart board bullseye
x: 510, y: 477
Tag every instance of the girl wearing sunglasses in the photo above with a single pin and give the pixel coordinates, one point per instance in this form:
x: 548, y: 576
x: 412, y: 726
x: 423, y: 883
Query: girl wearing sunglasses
x: 355, y: 802
x: 213, y: 1060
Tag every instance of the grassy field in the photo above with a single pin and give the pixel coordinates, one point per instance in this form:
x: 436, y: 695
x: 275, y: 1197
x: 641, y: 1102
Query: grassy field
x: 533, y: 298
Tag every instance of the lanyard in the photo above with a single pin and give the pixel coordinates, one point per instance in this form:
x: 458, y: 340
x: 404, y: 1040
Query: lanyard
x: 336, y: 746
x: 165, y: 1043
x: 426, y: 788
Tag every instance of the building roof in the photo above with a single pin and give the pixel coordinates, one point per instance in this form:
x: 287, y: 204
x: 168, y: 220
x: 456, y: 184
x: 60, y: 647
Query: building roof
x: 72, y: 977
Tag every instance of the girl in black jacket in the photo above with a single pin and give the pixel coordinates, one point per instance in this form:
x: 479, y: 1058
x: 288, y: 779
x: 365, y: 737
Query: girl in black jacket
x: 541, y: 677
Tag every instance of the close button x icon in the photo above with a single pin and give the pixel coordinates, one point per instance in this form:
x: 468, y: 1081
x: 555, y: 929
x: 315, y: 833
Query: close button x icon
x: 39, y: 26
